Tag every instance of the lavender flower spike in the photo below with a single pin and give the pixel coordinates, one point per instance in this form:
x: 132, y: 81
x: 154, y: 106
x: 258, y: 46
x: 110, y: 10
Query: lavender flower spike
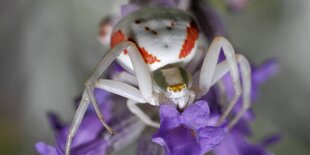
x: 91, y: 138
x: 187, y: 133
x: 92, y: 141
x: 86, y: 140
x: 237, y: 144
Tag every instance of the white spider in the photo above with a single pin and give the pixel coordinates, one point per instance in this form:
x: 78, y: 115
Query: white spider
x: 160, y: 50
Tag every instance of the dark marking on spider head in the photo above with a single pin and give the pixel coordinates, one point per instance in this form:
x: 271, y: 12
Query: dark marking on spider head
x: 138, y: 21
x: 147, y: 28
x: 154, y: 32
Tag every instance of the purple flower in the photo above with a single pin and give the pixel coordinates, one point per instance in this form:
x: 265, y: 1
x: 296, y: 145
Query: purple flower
x: 134, y: 5
x: 91, y: 138
x: 237, y: 5
x: 260, y: 74
x: 87, y: 138
x: 236, y: 143
x: 189, y: 132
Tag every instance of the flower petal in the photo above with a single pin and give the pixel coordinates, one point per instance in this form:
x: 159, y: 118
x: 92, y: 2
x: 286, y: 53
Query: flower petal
x: 210, y: 137
x: 237, y: 5
x: 196, y: 115
x: 265, y: 71
x: 96, y: 147
x: 177, y: 141
x: 54, y: 121
x: 129, y: 8
x: 169, y: 117
x: 236, y: 143
x: 45, y: 149
x: 88, y: 130
x: 270, y: 140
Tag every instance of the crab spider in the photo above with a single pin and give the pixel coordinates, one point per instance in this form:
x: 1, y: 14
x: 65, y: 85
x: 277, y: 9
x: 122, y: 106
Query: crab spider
x: 158, y: 49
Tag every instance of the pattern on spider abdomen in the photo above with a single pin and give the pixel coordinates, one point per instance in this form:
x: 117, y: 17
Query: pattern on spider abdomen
x: 163, y: 36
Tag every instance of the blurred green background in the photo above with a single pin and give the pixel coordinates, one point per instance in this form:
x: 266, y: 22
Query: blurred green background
x: 49, y: 47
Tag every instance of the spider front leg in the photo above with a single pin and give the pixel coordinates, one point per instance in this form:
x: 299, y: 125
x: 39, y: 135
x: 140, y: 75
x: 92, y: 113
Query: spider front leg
x: 115, y: 87
x: 126, y: 78
x: 134, y: 97
x: 143, y: 78
x: 245, y: 70
x: 211, y: 72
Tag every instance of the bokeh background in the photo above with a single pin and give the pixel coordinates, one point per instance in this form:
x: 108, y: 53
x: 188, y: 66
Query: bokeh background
x: 49, y: 47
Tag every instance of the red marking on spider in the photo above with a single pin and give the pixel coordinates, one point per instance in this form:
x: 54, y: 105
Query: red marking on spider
x: 118, y: 37
x: 189, y: 43
x: 148, y: 58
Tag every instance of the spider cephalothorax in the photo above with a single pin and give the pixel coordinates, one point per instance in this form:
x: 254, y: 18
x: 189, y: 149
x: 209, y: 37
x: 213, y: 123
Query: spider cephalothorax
x: 157, y: 47
x: 174, y: 83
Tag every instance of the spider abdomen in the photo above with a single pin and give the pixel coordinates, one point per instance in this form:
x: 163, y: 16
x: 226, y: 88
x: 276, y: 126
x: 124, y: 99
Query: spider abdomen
x: 163, y: 36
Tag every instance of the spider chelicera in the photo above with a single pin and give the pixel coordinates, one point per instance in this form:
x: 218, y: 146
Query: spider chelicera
x: 165, y: 61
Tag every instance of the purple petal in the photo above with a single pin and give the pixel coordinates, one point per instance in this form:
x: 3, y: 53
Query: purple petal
x: 270, y: 140
x: 212, y: 97
x: 169, y: 117
x: 90, y: 127
x: 243, y: 127
x: 101, y: 96
x: 237, y: 5
x: 129, y: 8
x: 115, y: 69
x: 227, y: 147
x: 105, y: 101
x: 265, y: 71
x: 44, y: 149
x: 88, y: 131
x: 184, y: 138
x: 177, y: 141
x: 259, y: 75
x: 248, y: 116
x: 196, y: 115
x: 210, y: 137
x: 214, y: 117
x: 94, y: 148
x: 236, y: 144
x: 54, y: 121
